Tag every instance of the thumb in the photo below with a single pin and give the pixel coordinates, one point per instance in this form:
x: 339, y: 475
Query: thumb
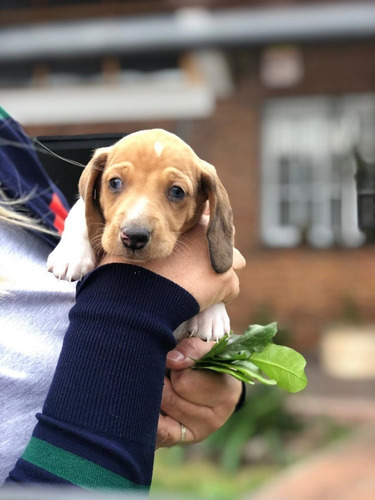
x: 186, y: 352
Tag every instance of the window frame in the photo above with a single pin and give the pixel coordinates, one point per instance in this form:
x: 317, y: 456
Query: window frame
x: 321, y: 132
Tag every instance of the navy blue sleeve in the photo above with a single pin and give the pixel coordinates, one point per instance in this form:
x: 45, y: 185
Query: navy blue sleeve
x: 99, y: 421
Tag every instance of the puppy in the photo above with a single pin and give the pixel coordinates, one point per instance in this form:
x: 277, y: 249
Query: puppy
x: 137, y: 197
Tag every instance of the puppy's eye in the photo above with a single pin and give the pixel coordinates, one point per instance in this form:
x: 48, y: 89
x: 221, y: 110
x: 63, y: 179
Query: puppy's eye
x: 176, y: 193
x: 115, y: 184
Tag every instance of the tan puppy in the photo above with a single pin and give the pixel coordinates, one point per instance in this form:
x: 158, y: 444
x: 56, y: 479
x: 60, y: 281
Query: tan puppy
x: 139, y: 195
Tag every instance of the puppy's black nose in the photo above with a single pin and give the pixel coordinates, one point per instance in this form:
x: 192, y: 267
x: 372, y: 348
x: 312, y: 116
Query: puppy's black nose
x: 135, y: 238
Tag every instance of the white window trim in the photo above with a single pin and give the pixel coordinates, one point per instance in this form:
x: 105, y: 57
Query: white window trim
x: 303, y: 127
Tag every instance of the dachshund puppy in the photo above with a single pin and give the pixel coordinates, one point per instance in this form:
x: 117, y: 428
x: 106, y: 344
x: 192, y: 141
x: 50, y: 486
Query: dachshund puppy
x: 137, y: 197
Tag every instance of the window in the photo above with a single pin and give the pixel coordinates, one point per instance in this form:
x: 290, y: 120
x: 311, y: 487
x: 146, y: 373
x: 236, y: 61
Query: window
x: 308, y: 186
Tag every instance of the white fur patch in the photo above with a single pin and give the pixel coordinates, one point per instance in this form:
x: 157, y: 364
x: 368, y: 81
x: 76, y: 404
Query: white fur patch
x: 158, y: 147
x: 74, y: 256
x: 137, y: 209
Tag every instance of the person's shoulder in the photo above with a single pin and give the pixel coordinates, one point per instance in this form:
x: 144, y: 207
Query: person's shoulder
x: 19, y: 242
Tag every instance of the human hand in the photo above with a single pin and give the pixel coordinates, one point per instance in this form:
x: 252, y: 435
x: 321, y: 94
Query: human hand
x: 201, y: 401
x: 190, y: 267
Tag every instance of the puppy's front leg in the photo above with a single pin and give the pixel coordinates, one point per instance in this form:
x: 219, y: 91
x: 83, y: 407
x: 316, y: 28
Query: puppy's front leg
x: 211, y: 324
x: 74, y: 256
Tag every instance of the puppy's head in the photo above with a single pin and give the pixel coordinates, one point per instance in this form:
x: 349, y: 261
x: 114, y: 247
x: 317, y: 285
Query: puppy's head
x: 147, y: 189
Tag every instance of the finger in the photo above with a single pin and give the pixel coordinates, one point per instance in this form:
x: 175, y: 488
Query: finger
x: 170, y: 432
x: 233, y: 288
x: 186, y: 352
x: 220, y: 392
x: 239, y: 261
x: 199, y: 420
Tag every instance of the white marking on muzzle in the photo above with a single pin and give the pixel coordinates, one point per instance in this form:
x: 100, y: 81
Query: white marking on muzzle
x: 137, y: 209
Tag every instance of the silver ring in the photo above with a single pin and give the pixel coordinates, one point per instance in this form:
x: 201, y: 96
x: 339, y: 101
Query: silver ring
x: 183, y: 433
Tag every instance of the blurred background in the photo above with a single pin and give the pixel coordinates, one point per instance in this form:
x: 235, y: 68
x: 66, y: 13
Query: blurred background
x: 279, y: 95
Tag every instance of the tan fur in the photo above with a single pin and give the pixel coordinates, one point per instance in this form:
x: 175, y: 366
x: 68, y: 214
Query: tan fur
x: 149, y: 163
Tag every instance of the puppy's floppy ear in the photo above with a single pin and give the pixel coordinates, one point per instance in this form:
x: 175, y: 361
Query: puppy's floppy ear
x: 89, y: 189
x: 220, y: 228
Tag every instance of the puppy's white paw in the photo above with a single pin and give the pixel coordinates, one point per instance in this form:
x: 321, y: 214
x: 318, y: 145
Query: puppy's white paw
x: 211, y: 324
x: 69, y: 261
x: 74, y: 256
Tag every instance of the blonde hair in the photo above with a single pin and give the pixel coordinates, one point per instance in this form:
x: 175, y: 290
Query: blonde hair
x: 10, y: 214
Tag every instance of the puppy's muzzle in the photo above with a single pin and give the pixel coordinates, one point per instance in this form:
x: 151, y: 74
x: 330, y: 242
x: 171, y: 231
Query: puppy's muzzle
x: 134, y: 237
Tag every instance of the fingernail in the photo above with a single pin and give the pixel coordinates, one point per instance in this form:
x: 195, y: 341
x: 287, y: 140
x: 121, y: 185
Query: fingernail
x: 175, y: 356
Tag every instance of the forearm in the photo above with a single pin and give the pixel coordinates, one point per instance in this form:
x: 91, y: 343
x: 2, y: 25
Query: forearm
x: 99, y: 421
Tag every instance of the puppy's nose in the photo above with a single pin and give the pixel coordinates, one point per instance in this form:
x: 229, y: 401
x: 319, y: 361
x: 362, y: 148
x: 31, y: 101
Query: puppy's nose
x: 135, y: 238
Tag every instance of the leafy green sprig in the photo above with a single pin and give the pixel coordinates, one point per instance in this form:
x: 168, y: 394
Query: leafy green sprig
x: 253, y: 357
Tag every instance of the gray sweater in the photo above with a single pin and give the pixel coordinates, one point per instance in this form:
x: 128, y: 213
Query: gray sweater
x: 34, y: 309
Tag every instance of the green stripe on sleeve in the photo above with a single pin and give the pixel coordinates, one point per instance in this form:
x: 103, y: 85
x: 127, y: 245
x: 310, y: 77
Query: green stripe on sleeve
x: 76, y: 470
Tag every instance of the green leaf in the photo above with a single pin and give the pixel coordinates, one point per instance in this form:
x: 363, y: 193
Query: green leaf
x: 255, y: 338
x: 229, y: 371
x: 252, y: 372
x: 246, y: 371
x: 216, y: 350
x: 253, y: 357
x: 284, y: 365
